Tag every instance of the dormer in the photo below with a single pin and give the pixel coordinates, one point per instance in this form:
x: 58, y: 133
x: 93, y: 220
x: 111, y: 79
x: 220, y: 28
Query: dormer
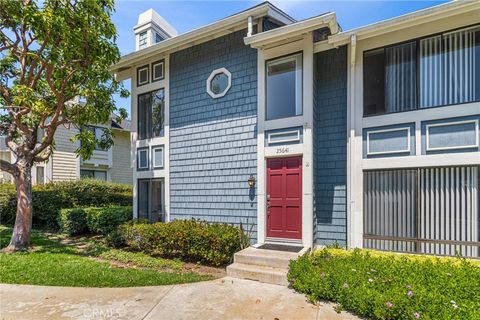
x: 152, y: 28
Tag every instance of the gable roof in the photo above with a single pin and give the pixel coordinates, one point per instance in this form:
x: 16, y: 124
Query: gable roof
x: 208, y: 32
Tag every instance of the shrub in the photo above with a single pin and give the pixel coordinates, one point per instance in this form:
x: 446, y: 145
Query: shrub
x: 187, y: 239
x: 49, y: 199
x: 104, y: 220
x: 72, y: 221
x: 115, y: 239
x: 390, y: 286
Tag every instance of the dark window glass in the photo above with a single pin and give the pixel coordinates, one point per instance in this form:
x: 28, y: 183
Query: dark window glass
x: 151, y: 114
x: 219, y: 83
x: 374, y: 83
x: 284, y: 87
x: 434, y: 71
x: 142, y: 40
x: 93, y: 174
x: 150, y: 199
x: 158, y: 38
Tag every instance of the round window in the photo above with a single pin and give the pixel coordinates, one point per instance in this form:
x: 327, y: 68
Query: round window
x: 219, y: 83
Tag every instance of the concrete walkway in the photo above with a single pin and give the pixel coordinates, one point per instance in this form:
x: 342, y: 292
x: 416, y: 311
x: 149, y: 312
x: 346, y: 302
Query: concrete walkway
x: 225, y: 298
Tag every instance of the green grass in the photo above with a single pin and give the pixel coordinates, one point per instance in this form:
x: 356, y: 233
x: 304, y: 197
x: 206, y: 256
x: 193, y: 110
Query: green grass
x: 52, y: 263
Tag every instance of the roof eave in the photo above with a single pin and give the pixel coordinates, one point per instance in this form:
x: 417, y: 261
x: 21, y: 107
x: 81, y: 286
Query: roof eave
x: 405, y: 21
x: 194, y: 37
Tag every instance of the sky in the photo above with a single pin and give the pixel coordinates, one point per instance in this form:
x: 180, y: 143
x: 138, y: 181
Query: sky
x: 188, y: 15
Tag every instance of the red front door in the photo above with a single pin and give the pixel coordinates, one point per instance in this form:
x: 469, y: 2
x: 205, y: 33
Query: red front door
x: 284, y: 198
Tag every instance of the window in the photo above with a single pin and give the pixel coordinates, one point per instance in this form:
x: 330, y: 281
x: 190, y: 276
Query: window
x: 150, y: 117
x: 158, y: 38
x: 150, y: 200
x: 425, y: 210
x: 99, y: 134
x: 157, y: 157
x: 284, y: 87
x: 142, y: 40
x: 142, y: 159
x: 40, y: 175
x: 434, y: 71
x: 219, y: 82
x: 157, y: 70
x: 142, y: 76
x: 93, y: 174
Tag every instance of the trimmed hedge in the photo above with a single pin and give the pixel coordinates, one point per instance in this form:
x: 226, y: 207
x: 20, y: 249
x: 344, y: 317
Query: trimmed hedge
x: 49, y: 199
x: 72, y: 221
x: 190, y: 240
x: 104, y: 220
x: 390, y: 286
x: 99, y: 220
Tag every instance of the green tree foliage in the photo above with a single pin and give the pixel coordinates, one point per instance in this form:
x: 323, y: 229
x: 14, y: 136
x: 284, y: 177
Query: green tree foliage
x: 55, y: 57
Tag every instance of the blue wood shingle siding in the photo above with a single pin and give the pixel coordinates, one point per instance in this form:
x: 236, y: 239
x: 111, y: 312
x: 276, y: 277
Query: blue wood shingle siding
x: 330, y: 147
x: 213, y: 142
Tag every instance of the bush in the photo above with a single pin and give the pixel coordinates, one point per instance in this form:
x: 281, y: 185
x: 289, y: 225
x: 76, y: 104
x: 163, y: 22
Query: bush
x: 390, y: 286
x: 72, y: 221
x: 187, y: 239
x: 115, y: 239
x: 105, y: 220
x: 49, y: 199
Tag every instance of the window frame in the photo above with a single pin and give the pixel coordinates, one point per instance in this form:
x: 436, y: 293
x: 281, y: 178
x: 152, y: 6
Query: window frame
x: 297, y: 53
x: 452, y: 123
x: 149, y: 116
x: 140, y: 69
x: 93, y: 174
x: 154, y: 148
x: 147, y: 167
x: 159, y: 62
x: 417, y: 71
x: 210, y: 78
x: 163, y: 215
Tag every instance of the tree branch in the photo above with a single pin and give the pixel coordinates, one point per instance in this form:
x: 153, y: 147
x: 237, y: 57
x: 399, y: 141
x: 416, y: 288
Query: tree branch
x: 7, y: 167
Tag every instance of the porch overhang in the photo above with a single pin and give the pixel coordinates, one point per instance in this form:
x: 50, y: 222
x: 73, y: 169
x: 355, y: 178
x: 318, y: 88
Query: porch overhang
x: 293, y: 31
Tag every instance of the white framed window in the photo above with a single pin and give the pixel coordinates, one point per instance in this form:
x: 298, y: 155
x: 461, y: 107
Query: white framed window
x: 158, y: 70
x: 157, y: 153
x: 158, y: 38
x: 142, y: 159
x: 219, y: 82
x: 284, y: 87
x: 284, y: 136
x: 142, y: 40
x: 397, y: 134
x: 142, y: 75
x: 452, y: 135
x: 93, y: 174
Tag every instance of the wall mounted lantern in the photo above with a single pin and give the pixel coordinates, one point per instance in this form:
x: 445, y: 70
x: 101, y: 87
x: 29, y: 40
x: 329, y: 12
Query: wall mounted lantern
x: 251, y: 181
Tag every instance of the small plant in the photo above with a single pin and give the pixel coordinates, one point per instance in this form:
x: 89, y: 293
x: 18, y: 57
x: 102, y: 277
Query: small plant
x: 104, y: 220
x: 115, y: 239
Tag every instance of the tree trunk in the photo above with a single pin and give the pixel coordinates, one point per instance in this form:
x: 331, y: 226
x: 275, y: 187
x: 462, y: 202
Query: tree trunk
x: 23, y: 220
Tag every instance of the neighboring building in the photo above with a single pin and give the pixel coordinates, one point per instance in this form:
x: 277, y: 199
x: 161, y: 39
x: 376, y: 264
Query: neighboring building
x: 109, y: 165
x: 368, y: 137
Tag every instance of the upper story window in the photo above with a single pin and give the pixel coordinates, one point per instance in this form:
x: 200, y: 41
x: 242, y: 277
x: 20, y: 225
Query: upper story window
x: 219, y: 82
x: 98, y: 133
x: 151, y: 114
x: 284, y: 87
x: 429, y: 72
x: 142, y: 40
x: 158, y: 38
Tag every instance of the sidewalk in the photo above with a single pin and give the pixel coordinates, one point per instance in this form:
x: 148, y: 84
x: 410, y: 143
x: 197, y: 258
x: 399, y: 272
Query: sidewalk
x: 225, y: 298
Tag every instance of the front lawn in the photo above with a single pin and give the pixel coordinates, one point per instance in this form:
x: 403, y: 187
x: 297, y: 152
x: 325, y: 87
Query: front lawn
x: 390, y: 286
x: 50, y: 262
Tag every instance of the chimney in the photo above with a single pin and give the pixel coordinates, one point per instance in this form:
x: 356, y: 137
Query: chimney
x: 151, y: 28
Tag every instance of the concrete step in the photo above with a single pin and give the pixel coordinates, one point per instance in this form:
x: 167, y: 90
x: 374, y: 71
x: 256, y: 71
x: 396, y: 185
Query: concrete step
x: 259, y: 273
x: 267, y: 258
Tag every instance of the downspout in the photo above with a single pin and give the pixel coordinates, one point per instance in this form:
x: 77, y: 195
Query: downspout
x: 351, y: 138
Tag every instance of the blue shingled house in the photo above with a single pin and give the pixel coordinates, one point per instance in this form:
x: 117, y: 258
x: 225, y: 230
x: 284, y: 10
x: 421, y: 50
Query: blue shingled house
x: 306, y: 134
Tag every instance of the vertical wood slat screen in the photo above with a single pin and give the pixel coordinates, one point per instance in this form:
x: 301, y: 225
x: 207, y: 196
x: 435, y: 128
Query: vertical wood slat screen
x: 400, y: 77
x: 403, y: 208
